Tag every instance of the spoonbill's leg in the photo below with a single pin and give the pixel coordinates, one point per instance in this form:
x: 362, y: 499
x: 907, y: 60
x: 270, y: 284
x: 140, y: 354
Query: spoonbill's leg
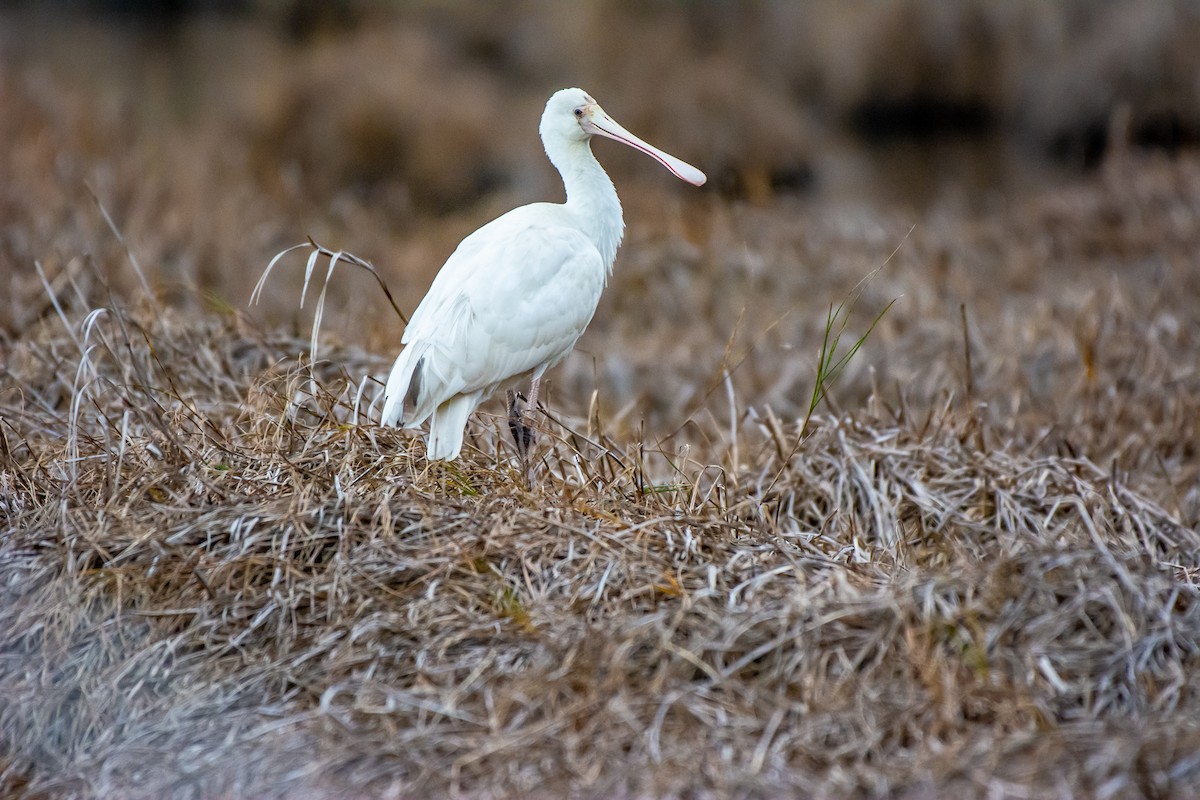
x: 531, y: 403
x: 520, y: 420
x: 527, y: 425
x: 522, y: 434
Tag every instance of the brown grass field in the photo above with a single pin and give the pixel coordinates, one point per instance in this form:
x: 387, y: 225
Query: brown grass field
x: 976, y: 573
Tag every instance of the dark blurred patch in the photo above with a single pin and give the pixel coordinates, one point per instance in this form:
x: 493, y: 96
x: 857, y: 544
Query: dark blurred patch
x: 759, y: 183
x: 304, y: 19
x: 1083, y: 145
x: 1166, y: 129
x: 921, y: 117
x: 793, y: 178
x: 301, y: 20
x: 1087, y: 143
x: 148, y: 10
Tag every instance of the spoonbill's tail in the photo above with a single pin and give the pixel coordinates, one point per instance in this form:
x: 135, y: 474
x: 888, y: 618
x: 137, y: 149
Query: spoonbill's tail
x: 447, y: 426
x: 409, y: 389
x: 403, y: 388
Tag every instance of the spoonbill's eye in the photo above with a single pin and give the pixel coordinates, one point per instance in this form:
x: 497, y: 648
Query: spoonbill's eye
x: 579, y: 113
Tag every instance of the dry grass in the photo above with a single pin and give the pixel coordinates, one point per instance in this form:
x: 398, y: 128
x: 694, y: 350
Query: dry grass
x: 976, y: 575
x: 214, y: 590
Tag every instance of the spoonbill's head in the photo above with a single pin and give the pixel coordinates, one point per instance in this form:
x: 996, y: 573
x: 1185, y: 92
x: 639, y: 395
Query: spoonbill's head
x: 572, y: 115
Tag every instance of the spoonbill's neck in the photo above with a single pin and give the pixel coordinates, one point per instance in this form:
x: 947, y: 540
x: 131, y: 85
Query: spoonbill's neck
x: 591, y: 197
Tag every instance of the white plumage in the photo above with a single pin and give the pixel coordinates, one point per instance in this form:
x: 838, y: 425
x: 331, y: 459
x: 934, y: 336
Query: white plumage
x: 516, y: 295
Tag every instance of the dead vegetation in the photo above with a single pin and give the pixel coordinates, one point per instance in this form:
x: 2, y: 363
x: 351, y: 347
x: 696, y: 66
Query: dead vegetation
x: 212, y: 589
x: 977, y: 574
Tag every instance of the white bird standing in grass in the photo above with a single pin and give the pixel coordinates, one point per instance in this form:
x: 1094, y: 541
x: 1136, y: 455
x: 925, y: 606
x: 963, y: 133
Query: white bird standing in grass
x: 516, y: 295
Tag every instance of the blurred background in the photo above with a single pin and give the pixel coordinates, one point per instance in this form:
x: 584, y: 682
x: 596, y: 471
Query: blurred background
x: 216, y: 133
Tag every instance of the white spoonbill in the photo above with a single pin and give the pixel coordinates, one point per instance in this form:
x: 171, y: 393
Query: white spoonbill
x: 516, y: 295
